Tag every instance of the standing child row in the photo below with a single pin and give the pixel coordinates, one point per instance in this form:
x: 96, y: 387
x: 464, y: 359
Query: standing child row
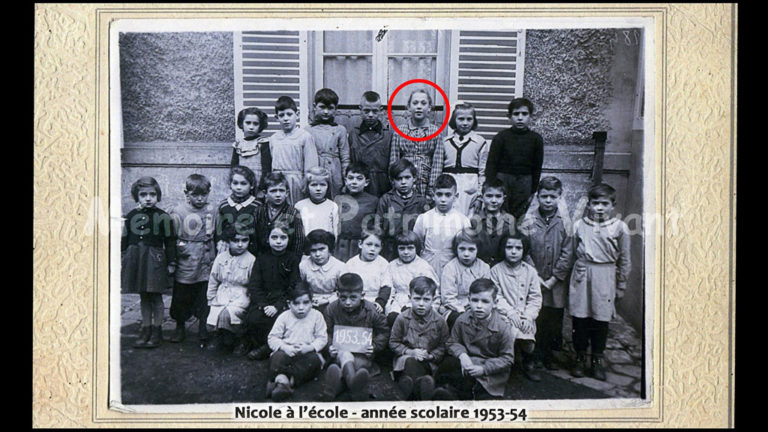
x: 516, y: 153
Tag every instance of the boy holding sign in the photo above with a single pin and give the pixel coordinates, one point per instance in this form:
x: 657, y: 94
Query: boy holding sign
x: 357, y: 331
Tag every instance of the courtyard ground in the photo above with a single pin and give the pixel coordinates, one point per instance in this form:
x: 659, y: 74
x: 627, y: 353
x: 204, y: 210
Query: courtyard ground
x: 183, y: 373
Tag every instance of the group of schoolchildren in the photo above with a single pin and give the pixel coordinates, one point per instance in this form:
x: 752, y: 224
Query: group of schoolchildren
x: 437, y: 246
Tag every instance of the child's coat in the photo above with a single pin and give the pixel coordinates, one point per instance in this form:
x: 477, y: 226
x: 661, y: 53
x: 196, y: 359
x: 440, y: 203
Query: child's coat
x: 490, y: 343
x: 332, y: 152
x: 455, y: 282
x: 411, y: 332
x: 602, y: 267
x: 519, y: 294
x: 228, y: 286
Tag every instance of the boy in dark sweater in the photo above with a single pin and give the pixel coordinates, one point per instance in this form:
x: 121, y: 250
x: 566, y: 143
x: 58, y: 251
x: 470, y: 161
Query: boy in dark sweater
x: 516, y: 156
x: 355, y: 207
x: 399, y: 208
x: 352, y: 368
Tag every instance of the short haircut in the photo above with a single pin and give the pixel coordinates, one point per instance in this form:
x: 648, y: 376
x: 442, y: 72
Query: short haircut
x: 350, y: 282
x: 524, y: 239
x: 320, y: 236
x: 463, y: 107
x: 275, y: 178
x: 326, y: 96
x: 519, y: 102
x: 301, y: 289
x: 483, y: 285
x: 422, y: 285
x: 407, y: 238
x: 371, y: 96
x: 229, y: 232
x: 263, y: 120
x: 445, y: 181
x: 401, y: 165
x: 367, y: 233
x: 145, y: 182
x: 360, y: 168
x: 550, y: 183
x: 494, y: 183
x: 284, y: 103
x: 244, y: 171
x: 601, y: 190
x: 464, y: 236
x: 421, y: 90
x: 318, y: 173
x: 197, y: 184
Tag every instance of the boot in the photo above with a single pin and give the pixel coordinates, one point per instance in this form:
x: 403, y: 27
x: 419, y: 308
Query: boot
x: 348, y: 373
x: 548, y: 364
x: 529, y: 371
x: 282, y: 389
x: 270, y: 388
x: 405, y: 383
x: 180, y: 333
x: 155, y: 338
x: 445, y: 393
x: 597, y: 370
x: 426, y: 387
x: 358, y: 386
x: 579, y: 365
x: 331, y: 383
x: 261, y: 353
x: 141, y: 341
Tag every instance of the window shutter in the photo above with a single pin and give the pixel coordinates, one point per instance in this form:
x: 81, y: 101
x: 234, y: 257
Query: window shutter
x: 267, y: 66
x: 488, y: 74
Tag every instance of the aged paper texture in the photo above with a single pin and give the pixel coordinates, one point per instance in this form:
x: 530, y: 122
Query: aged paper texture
x: 693, y: 270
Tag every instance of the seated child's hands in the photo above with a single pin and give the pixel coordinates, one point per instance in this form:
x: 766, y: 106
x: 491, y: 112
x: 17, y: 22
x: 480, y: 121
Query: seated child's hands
x: 475, y: 371
x: 306, y: 348
x: 270, y: 311
x: 369, y: 351
x: 291, y: 350
x: 419, y: 354
x: 526, y: 326
x: 333, y: 351
x: 515, y: 320
x: 465, y: 361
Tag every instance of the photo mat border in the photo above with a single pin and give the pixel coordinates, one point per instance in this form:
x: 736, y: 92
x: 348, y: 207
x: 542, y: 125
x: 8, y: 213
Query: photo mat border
x: 100, y: 413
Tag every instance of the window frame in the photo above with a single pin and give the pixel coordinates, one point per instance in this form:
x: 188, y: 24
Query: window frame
x: 380, y: 56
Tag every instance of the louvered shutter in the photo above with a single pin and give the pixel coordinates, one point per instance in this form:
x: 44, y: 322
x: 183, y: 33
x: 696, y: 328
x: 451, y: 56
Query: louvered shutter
x: 267, y: 66
x: 488, y: 74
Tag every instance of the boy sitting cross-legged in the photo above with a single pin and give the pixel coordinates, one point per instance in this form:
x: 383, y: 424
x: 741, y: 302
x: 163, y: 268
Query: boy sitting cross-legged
x: 418, y: 340
x: 348, y: 367
x: 481, y: 350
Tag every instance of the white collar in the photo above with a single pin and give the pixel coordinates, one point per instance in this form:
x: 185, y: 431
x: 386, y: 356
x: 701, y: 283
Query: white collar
x: 239, y: 206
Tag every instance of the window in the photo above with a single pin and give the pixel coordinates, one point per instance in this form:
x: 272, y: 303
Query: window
x: 352, y: 62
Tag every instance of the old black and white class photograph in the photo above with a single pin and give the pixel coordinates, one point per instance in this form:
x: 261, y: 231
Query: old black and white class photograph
x: 381, y: 210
